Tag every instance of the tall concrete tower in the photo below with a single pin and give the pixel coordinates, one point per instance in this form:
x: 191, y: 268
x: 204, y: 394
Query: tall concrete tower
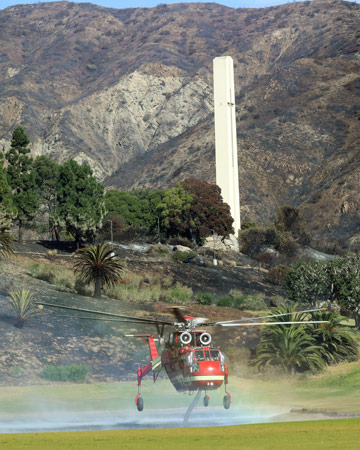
x: 227, y: 177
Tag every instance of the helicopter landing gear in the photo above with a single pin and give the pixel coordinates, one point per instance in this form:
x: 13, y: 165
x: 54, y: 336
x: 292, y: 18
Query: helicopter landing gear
x: 206, y: 400
x: 140, y: 374
x: 227, y: 396
x: 227, y: 401
x: 139, y: 403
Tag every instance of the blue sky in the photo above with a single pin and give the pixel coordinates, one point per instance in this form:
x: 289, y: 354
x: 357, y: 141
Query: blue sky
x: 151, y: 3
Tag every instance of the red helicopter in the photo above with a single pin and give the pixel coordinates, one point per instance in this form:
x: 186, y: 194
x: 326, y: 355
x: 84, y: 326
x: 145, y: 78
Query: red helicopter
x: 190, y: 361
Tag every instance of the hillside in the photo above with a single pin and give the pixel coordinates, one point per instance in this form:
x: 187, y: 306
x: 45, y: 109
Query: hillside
x: 130, y: 92
x: 55, y: 337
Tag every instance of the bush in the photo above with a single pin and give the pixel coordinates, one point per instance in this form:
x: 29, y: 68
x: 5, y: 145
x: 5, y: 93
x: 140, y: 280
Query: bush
x: 238, y: 298
x: 251, y: 241
x: 23, y: 306
x: 74, y: 373
x: 278, y: 301
x: 266, y: 259
x: 204, y: 298
x: 179, y: 294
x: 178, y: 256
x: 225, y: 301
x: 287, y: 245
x: 253, y: 303
x: 277, y: 275
x: 247, y: 225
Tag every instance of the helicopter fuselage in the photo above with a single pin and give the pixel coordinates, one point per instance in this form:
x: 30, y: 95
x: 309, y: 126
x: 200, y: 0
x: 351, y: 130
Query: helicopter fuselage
x: 191, y: 363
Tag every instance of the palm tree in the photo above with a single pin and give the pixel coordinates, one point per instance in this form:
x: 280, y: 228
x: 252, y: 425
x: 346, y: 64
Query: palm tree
x: 6, y: 245
x: 336, y: 343
x: 98, y: 264
x: 23, y: 305
x: 288, y: 347
x: 291, y: 347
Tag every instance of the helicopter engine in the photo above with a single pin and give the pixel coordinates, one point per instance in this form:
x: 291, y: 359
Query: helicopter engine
x: 205, y: 339
x: 185, y: 337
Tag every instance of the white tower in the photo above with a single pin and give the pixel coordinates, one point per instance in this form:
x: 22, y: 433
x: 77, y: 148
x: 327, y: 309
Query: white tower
x: 227, y: 177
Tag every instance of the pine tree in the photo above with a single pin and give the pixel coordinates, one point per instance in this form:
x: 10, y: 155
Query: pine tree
x: 80, y: 206
x: 21, y: 178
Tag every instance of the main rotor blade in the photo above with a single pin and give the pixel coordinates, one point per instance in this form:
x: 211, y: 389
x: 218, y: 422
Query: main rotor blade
x: 253, y: 324
x: 105, y: 313
x: 103, y: 319
x: 268, y: 317
x: 177, y: 311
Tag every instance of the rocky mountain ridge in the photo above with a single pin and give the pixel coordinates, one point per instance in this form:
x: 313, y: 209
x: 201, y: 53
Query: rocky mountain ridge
x: 130, y: 92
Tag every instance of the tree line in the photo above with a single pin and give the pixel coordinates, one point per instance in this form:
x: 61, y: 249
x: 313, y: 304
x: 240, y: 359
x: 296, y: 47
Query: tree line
x: 75, y: 202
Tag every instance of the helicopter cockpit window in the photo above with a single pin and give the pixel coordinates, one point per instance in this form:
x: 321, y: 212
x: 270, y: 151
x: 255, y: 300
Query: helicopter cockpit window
x: 215, y: 355
x: 199, y: 355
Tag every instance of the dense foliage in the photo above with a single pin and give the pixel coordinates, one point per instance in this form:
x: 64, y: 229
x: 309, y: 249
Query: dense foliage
x: 21, y: 178
x: 71, y: 200
x: 337, y: 281
x: 80, y: 206
x: 296, y: 348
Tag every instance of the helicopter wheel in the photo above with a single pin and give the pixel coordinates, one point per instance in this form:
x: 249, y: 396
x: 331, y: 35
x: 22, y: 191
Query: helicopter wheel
x: 206, y: 400
x: 226, y: 401
x: 140, y: 404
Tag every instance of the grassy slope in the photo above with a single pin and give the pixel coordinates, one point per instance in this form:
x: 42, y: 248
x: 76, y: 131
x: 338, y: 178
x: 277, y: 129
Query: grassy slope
x: 282, y: 436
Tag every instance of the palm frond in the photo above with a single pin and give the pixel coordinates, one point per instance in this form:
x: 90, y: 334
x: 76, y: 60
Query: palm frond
x: 6, y: 246
x: 98, y: 262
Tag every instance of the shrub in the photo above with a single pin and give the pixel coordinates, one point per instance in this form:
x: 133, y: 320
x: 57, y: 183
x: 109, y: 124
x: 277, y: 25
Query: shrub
x: 178, y: 256
x: 224, y: 301
x: 179, y: 294
x: 277, y: 274
x: 204, y: 298
x: 287, y: 245
x: 238, y: 298
x: 266, y: 258
x: 277, y: 301
x: 75, y: 373
x: 254, y: 303
x: 247, y: 225
x: 251, y: 241
x: 23, y: 305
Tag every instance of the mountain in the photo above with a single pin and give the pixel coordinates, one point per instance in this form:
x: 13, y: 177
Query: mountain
x: 129, y: 91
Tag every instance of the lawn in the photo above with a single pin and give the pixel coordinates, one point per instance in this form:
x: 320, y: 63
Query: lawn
x: 314, y: 435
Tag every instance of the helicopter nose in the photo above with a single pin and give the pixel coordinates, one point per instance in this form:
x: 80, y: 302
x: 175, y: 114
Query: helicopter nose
x: 210, y: 367
x: 209, y: 376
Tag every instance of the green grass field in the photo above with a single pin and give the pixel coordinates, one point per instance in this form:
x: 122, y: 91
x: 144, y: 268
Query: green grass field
x: 314, y: 435
x: 337, y: 389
